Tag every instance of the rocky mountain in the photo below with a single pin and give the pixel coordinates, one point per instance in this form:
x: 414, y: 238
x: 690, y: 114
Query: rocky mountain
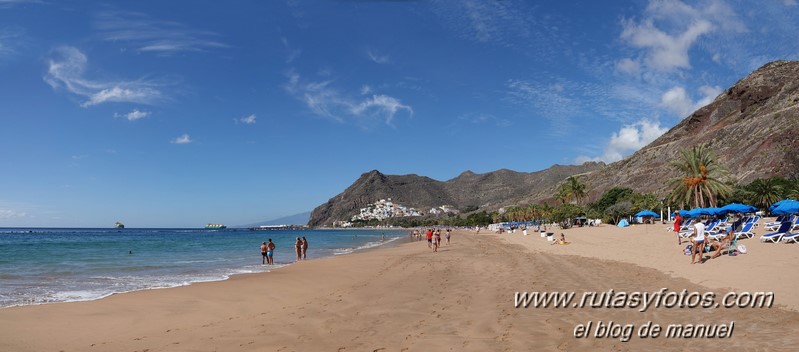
x: 752, y: 127
x: 469, y: 190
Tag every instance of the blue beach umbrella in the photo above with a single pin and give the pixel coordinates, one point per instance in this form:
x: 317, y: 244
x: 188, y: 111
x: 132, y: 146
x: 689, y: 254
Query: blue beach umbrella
x: 738, y: 208
x: 786, y: 207
x: 775, y: 205
x: 644, y: 213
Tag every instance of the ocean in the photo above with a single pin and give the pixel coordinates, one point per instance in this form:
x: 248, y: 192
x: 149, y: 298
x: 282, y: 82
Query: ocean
x: 40, y: 266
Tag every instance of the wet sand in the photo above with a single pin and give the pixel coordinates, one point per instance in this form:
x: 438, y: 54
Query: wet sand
x: 394, y: 299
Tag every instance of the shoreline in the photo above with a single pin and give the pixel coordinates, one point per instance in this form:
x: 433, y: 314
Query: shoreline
x: 399, y: 298
x: 206, y: 276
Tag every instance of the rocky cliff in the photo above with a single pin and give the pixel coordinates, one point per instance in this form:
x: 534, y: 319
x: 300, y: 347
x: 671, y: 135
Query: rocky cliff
x: 752, y: 127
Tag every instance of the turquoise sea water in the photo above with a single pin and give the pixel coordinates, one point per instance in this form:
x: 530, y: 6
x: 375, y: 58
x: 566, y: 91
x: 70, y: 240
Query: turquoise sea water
x: 61, y: 265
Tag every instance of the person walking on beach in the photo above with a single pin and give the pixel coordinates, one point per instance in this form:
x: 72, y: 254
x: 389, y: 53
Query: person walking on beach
x: 304, y: 247
x: 270, y: 251
x: 429, y: 238
x: 698, y: 242
x: 264, y: 251
x: 298, y: 248
x: 677, y: 225
x: 448, y: 231
x: 438, y: 238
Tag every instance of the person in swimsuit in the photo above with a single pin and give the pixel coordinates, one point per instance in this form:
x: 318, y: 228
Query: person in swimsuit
x: 304, y: 247
x: 698, y: 242
x: 270, y: 250
x: 438, y: 238
x: 298, y: 248
x: 264, y: 251
x: 448, y: 231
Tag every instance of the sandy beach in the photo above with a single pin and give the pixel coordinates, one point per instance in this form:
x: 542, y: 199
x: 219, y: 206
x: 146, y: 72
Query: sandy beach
x: 407, y: 298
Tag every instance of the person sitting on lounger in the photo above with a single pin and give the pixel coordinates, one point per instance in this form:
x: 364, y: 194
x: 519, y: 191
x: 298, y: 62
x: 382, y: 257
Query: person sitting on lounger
x: 718, y: 246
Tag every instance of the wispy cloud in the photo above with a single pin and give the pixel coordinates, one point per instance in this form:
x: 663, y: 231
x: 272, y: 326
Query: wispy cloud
x: 10, y: 3
x: 10, y: 41
x: 6, y: 214
x: 134, y: 115
x: 378, y: 59
x: 323, y: 99
x: 182, y: 139
x: 247, y: 120
x: 291, y: 53
x: 482, y: 119
x: 67, y: 69
x: 628, y: 139
x: 147, y: 34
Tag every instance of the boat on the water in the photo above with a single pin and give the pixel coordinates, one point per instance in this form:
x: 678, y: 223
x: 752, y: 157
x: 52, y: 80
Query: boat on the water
x: 215, y: 226
x: 119, y: 225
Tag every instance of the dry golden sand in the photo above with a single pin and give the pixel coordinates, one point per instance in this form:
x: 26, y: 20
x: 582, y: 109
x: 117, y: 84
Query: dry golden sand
x: 765, y: 267
x: 394, y: 299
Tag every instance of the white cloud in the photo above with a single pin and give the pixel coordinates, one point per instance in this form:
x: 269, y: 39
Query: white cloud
x: 323, y: 99
x: 182, y: 139
x: 152, y: 35
x: 666, y: 52
x: 378, y: 59
x: 365, y: 89
x: 678, y: 101
x: 789, y: 2
x: 670, y: 28
x: 248, y: 120
x: 628, y: 66
x: 6, y: 214
x: 381, y: 106
x: 628, y: 139
x: 68, y: 67
x: 133, y: 115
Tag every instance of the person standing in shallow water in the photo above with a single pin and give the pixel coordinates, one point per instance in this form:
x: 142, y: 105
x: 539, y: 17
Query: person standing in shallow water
x: 264, y: 251
x: 304, y: 247
x: 270, y: 251
x: 298, y: 248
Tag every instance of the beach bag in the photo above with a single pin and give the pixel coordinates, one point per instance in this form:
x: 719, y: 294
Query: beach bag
x: 741, y: 249
x: 687, y: 250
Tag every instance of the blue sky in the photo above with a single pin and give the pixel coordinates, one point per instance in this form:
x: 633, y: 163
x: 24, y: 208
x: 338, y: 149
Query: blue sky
x: 181, y: 113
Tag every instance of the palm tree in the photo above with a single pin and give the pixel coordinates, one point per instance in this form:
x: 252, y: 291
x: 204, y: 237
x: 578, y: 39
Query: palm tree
x: 764, y: 192
x: 700, y: 182
x: 570, y: 189
x: 577, y: 188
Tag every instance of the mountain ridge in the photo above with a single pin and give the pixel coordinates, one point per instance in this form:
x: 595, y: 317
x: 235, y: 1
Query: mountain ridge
x: 752, y: 127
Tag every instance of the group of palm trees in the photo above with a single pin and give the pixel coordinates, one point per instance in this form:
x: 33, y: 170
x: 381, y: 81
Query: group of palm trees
x: 701, y: 183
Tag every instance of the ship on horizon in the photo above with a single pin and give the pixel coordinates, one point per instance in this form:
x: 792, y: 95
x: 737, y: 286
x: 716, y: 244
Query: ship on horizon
x: 215, y: 226
x: 119, y: 225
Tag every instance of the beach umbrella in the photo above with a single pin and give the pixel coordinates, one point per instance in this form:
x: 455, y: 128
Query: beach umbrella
x: 775, y: 205
x: 786, y: 207
x: 738, y: 208
x: 644, y: 213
